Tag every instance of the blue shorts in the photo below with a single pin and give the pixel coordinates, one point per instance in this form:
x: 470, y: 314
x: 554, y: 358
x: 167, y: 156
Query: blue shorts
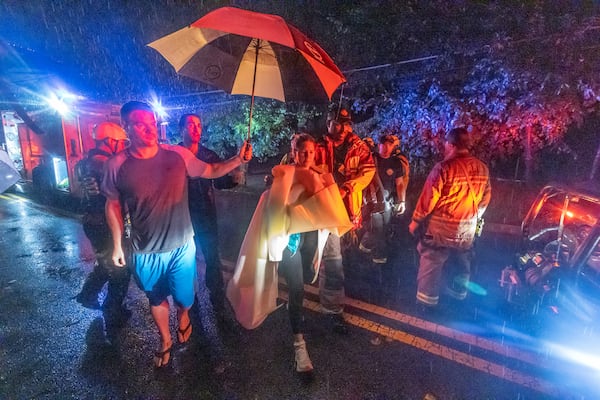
x: 169, y: 273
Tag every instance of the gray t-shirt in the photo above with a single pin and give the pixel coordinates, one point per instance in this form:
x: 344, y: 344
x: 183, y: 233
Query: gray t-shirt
x: 155, y: 192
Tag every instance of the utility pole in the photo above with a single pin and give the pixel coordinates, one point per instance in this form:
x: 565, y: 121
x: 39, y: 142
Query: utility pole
x: 528, y: 154
x: 596, y: 164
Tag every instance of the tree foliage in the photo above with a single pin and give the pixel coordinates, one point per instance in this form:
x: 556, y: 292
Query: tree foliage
x: 520, y: 76
x: 225, y: 125
x: 536, y: 87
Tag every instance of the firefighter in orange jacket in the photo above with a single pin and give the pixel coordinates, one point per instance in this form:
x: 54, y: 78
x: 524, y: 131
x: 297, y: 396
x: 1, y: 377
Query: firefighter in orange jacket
x: 109, y: 139
x: 446, y: 217
x: 349, y: 160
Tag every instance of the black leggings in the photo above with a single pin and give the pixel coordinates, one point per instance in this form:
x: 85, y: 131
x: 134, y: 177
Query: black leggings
x: 297, y: 270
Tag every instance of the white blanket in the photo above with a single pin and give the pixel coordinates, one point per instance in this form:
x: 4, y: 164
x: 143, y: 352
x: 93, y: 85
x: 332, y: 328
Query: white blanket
x: 297, y: 202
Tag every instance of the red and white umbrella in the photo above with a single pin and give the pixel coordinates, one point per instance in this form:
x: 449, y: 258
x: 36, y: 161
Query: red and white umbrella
x: 245, y: 52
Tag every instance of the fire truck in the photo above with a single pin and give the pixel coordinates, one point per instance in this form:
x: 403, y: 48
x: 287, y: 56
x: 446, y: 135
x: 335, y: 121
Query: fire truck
x: 45, y: 143
x: 46, y: 123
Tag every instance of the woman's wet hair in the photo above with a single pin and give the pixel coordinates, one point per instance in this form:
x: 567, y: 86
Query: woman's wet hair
x: 301, y: 138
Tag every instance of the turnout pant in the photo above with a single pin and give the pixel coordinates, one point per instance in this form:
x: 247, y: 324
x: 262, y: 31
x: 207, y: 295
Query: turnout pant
x: 104, y: 270
x: 376, y: 236
x: 331, y: 277
x: 434, y: 262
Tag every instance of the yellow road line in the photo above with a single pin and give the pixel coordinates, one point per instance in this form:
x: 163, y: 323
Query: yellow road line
x: 448, y: 353
x: 469, y: 339
x: 442, y: 330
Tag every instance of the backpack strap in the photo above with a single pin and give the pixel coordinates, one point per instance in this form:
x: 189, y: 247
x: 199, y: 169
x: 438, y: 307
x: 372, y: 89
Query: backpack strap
x: 471, y: 190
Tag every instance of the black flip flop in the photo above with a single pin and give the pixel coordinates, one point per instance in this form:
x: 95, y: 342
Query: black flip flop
x: 161, y: 355
x: 183, y: 332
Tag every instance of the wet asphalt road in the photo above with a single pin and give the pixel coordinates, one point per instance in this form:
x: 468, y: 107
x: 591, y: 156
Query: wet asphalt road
x: 52, y: 348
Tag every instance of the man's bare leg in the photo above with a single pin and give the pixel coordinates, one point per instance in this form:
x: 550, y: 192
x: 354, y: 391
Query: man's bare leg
x: 185, y: 325
x: 160, y: 314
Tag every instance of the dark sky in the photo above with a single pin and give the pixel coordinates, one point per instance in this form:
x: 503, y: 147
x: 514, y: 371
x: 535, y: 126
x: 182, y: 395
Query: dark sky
x: 100, y: 45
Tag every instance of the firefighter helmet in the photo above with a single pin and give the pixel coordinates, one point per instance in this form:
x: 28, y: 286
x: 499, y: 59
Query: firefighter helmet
x: 342, y: 116
x: 108, y: 129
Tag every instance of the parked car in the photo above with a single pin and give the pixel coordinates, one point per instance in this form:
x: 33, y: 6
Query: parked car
x: 558, y: 267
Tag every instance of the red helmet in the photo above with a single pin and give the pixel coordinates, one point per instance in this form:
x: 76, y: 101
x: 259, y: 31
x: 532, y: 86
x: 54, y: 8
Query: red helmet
x: 108, y: 129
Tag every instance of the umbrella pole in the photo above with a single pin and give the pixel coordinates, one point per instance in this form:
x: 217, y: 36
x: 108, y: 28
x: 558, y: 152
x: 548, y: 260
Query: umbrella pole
x: 244, y: 167
x: 253, y: 86
x: 250, y: 120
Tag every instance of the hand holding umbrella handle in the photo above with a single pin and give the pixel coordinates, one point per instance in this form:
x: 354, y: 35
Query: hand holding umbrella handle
x: 245, y: 152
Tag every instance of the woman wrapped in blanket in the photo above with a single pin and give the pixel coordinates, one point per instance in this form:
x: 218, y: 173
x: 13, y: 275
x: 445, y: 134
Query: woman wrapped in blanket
x: 288, y: 231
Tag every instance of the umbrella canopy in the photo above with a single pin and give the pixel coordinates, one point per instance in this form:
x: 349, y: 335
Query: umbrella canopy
x: 245, y: 52
x: 8, y: 173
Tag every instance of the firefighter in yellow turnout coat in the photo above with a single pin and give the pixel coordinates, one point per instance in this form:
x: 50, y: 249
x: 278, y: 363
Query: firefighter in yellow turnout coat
x: 445, y: 220
x: 343, y: 154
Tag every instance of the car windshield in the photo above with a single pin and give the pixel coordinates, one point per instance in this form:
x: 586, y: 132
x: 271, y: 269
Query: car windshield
x: 578, y: 213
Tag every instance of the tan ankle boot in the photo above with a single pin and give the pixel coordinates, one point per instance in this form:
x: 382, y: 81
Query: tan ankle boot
x: 303, y: 363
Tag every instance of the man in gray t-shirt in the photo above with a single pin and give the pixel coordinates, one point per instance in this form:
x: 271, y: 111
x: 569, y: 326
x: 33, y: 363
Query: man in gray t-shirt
x: 150, y: 179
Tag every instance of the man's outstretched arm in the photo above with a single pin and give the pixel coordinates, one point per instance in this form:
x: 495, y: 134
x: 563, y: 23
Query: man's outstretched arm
x: 114, y: 218
x: 199, y: 169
